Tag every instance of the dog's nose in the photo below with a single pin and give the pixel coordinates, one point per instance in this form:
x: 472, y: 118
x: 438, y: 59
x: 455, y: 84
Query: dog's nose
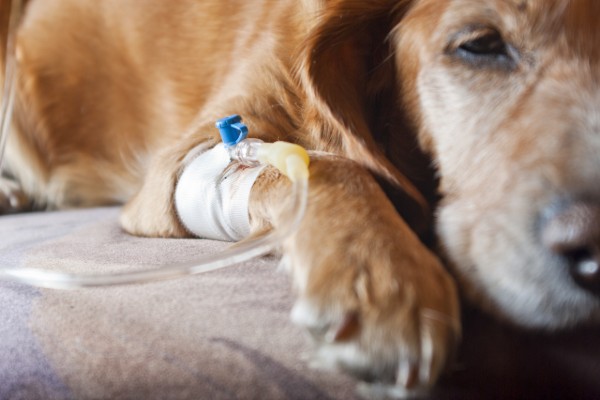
x: 573, y: 232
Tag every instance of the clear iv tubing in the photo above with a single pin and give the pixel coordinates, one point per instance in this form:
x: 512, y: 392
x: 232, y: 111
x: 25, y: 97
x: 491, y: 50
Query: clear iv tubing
x: 290, y: 159
x: 10, y: 77
x: 240, y: 252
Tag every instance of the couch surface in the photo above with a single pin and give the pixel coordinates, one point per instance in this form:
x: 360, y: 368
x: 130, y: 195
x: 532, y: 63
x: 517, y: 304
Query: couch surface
x: 220, y: 335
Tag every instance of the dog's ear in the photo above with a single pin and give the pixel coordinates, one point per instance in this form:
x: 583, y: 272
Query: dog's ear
x: 347, y: 70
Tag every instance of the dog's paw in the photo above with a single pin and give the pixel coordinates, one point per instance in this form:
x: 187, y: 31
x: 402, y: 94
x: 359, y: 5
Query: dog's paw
x: 151, y: 212
x: 379, y: 307
x: 151, y: 215
x: 12, y: 197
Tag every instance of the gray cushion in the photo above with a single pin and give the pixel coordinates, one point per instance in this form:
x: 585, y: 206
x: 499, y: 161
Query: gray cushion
x: 221, y: 335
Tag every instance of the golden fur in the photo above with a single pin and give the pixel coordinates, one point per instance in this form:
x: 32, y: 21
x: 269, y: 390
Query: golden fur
x: 114, y: 93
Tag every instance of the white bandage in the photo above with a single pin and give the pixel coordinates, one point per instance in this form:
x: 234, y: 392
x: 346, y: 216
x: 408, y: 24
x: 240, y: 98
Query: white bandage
x: 212, y: 195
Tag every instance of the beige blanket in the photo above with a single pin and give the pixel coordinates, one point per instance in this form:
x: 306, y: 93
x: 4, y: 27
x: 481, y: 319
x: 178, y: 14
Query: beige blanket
x: 220, y: 335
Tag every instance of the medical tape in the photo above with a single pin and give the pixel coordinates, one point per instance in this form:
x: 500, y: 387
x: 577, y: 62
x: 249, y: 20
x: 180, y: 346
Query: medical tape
x: 212, y: 194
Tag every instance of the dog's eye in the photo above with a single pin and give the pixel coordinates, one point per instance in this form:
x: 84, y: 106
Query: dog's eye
x: 489, y: 44
x: 482, y: 47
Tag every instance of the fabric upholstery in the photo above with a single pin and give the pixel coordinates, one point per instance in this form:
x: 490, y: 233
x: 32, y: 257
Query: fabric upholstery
x: 220, y: 335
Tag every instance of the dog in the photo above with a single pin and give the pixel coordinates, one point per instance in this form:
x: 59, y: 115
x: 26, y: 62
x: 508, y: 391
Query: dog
x: 457, y: 145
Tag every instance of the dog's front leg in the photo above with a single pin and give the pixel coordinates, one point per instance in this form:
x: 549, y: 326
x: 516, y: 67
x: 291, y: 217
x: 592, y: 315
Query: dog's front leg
x: 376, y: 301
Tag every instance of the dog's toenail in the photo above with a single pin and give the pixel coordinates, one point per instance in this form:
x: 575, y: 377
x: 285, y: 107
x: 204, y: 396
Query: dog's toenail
x: 408, y: 374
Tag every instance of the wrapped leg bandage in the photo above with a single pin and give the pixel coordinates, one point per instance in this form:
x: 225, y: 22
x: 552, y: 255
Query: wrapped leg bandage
x: 212, y: 195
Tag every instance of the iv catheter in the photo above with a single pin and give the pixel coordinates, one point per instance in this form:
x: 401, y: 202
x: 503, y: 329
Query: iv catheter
x: 292, y: 160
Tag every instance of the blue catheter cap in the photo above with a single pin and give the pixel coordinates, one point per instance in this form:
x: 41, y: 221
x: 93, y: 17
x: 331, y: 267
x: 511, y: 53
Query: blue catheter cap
x: 232, y: 130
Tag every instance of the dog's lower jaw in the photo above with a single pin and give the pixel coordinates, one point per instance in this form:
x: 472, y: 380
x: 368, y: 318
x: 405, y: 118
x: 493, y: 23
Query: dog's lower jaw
x: 375, y: 301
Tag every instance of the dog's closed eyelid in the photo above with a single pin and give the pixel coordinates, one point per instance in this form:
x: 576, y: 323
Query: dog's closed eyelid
x: 481, y: 46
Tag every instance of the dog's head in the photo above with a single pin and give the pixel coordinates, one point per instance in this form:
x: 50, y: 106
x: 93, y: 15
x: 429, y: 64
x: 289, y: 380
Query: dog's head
x: 504, y: 95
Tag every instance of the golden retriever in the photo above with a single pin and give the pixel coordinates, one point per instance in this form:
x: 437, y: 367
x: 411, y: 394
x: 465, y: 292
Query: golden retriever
x: 484, y: 111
